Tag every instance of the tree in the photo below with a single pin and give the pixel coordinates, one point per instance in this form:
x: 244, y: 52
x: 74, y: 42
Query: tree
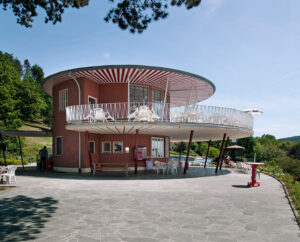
x: 132, y: 14
x: 27, y: 68
x: 249, y: 144
x: 9, y: 80
x: 37, y: 73
x: 30, y: 100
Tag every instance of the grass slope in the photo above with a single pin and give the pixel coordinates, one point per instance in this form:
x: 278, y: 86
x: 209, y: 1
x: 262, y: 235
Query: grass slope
x: 37, y: 140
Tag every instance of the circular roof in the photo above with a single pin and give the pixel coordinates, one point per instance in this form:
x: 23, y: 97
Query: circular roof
x: 184, y: 87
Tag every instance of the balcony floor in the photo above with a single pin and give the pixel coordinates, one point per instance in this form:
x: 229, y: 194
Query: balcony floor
x: 176, y: 131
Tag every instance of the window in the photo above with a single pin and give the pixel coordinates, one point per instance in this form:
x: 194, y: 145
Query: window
x: 106, y: 147
x: 139, y: 94
x: 118, y: 147
x: 167, y: 147
x: 58, y: 146
x: 158, y: 97
x: 92, y: 100
x: 157, y: 148
x: 92, y: 147
x: 63, y: 100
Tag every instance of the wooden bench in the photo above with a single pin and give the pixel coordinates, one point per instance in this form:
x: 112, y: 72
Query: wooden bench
x: 97, y: 166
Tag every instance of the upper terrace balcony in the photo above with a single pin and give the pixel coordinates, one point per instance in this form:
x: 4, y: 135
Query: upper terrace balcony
x: 156, y: 118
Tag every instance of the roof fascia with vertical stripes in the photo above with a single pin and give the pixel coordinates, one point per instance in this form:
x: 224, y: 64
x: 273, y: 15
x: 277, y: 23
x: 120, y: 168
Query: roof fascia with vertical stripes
x: 184, y: 87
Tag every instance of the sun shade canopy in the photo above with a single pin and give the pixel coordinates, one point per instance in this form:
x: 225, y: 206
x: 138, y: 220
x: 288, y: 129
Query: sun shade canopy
x: 184, y: 87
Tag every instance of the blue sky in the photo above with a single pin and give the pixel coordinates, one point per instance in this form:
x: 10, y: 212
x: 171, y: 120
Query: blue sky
x: 249, y: 49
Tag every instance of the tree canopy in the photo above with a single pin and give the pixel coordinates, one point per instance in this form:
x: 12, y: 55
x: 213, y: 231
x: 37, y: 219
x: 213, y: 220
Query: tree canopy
x: 133, y: 14
x: 21, y: 96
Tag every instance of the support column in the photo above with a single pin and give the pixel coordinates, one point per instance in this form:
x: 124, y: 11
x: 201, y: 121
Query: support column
x: 165, y: 98
x: 3, y: 149
x: 136, y: 150
x: 128, y: 99
x: 79, y: 152
x: 224, y: 152
x: 181, y: 144
x: 79, y: 133
x: 186, y: 166
x: 21, y: 153
x: 207, y: 153
x: 220, y: 155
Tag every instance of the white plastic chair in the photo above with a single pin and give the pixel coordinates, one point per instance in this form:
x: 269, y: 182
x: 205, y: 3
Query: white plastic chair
x: 172, y: 166
x: 143, y: 113
x: 98, y: 114
x: 160, y: 166
x: 11, y: 170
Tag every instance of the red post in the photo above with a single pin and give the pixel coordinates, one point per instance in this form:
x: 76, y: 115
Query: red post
x: 136, y: 150
x: 186, y: 166
x: 224, y: 152
x: 207, y: 153
x: 220, y: 155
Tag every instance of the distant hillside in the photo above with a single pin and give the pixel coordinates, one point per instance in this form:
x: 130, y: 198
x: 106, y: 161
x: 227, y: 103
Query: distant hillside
x: 293, y: 138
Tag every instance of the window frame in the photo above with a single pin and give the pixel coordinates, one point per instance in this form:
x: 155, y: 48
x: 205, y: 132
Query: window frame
x: 96, y: 100
x: 102, y: 147
x: 143, y: 86
x: 64, y: 101
x: 56, y: 146
x: 156, y: 90
x: 118, y: 152
x: 162, y: 140
x: 94, y: 147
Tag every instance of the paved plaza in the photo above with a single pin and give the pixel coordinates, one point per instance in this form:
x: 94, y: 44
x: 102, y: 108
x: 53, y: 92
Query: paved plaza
x: 59, y: 207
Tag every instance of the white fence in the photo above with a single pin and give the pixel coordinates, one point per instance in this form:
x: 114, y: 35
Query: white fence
x: 187, y: 114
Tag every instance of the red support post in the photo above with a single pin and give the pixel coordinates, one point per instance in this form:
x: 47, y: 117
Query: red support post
x: 207, y: 153
x: 186, y: 166
x: 224, y: 152
x: 220, y: 155
x: 136, y: 150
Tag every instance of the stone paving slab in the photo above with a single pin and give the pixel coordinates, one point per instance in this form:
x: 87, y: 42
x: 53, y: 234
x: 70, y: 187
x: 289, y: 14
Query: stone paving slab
x: 81, y: 208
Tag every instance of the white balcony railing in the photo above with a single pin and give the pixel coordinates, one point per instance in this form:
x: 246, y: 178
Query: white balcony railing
x: 118, y: 112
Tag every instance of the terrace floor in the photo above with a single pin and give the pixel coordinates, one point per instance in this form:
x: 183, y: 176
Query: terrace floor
x: 61, y: 207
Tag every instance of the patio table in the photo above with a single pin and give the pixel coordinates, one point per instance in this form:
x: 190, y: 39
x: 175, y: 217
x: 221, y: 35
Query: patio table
x: 253, y: 182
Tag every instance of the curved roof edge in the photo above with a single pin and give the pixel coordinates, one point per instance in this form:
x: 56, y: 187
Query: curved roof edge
x: 56, y: 76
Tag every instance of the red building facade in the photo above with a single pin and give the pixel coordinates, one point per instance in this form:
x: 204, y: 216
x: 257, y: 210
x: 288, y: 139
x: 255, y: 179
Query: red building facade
x: 92, y: 109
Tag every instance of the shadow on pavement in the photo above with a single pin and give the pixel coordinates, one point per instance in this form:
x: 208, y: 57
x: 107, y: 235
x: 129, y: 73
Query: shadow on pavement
x: 193, y: 172
x: 22, y: 217
x: 240, y: 186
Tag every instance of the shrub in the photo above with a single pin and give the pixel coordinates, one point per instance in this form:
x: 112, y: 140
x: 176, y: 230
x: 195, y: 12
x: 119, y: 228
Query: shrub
x: 289, y: 165
x: 213, y: 152
x: 13, y: 162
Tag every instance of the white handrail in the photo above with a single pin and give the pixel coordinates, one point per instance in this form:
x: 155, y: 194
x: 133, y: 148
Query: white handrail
x: 188, y: 114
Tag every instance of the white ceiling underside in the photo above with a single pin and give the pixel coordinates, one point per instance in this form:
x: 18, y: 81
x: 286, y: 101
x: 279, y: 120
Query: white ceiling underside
x: 177, y: 132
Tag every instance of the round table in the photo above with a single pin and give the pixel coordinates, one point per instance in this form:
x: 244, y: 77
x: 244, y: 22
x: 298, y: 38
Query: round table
x: 253, y: 182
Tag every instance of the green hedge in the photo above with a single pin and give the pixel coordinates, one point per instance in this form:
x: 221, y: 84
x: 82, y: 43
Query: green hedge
x: 13, y: 162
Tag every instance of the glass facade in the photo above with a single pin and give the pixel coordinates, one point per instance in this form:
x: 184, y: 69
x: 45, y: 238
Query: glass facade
x: 157, y: 147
